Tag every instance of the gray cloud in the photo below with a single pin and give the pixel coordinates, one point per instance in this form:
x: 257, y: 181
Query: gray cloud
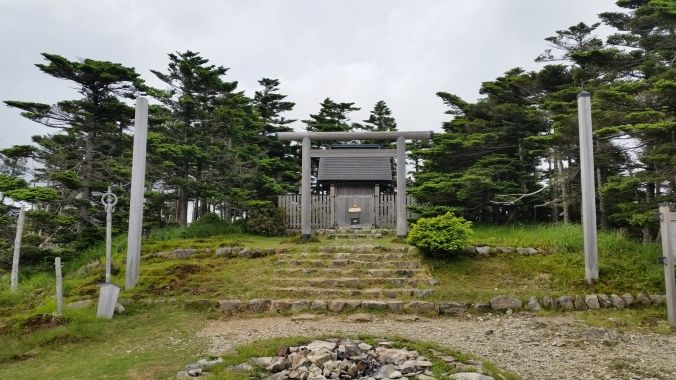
x: 362, y: 51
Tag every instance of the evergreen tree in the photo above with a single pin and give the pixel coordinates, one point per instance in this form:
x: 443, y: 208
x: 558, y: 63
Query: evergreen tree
x: 88, y: 153
x: 280, y: 165
x: 380, y: 119
x: 182, y: 141
x: 484, y: 166
x: 332, y: 117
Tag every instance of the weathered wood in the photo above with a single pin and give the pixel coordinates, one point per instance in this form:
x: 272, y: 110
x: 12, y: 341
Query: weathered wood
x: 668, y: 232
x: 353, y: 153
x: 107, y: 300
x: 588, y: 191
x: 319, y: 136
x: 59, y: 286
x: 306, y: 229
x: 138, y: 172
x: 14, y: 277
x: 402, y: 226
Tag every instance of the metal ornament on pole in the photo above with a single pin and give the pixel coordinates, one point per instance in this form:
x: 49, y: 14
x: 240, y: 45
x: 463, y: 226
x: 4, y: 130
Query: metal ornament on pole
x: 109, y: 200
x: 109, y: 291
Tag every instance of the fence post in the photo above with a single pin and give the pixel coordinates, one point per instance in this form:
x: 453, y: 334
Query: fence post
x: 14, y: 277
x: 59, y: 286
x: 591, y: 265
x: 667, y: 227
x: 138, y: 175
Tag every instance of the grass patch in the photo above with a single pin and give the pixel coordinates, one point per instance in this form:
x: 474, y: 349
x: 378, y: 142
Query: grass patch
x: 649, y: 319
x: 140, y: 345
x: 624, y: 265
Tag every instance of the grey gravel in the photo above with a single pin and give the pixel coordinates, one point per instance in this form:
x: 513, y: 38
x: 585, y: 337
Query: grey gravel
x: 532, y: 347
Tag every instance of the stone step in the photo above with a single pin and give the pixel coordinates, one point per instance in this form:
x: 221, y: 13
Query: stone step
x: 356, y: 230
x: 356, y: 236
x: 363, y: 293
x: 353, y: 282
x: 384, y: 264
x: 354, y: 272
x: 365, y: 248
x: 348, y: 255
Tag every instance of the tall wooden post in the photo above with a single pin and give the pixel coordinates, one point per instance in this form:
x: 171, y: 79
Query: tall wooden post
x: 376, y: 205
x: 305, y: 201
x: 668, y: 232
x: 138, y: 172
x: 402, y: 228
x: 332, y: 205
x: 59, y: 286
x: 14, y: 277
x: 591, y: 265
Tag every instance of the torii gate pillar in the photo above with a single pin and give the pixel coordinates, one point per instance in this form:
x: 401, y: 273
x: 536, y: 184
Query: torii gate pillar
x: 402, y: 225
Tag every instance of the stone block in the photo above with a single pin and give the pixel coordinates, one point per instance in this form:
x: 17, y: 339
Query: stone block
x: 565, y: 303
x: 258, y: 305
x: 533, y: 304
x: 617, y: 301
x: 422, y: 308
x: 453, y: 308
x: 230, y: 306
x: 580, y: 304
x: 503, y: 303
x: 592, y: 301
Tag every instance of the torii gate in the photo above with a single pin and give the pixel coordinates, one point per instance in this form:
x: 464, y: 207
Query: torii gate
x: 306, y: 139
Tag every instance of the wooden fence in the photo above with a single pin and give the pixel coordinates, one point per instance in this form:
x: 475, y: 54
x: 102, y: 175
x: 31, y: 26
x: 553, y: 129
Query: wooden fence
x: 323, y: 210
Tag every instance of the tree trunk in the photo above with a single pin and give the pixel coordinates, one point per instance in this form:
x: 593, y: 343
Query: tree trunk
x: 647, y: 235
x: 552, y: 192
x: 603, y: 212
x: 182, y: 207
x: 204, y: 206
x: 564, y: 191
x: 87, y: 175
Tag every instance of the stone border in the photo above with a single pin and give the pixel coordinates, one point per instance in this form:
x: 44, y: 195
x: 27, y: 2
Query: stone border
x: 505, y: 304
x: 485, y: 250
x: 226, y: 252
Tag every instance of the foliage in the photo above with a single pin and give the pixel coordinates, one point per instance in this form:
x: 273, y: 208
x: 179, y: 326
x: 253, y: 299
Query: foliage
x: 265, y: 219
x: 332, y: 117
x: 443, y: 234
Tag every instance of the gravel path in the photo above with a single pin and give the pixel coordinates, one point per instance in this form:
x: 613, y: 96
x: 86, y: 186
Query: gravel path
x: 532, y: 347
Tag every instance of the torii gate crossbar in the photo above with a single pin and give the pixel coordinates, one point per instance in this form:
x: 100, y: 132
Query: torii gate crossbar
x: 306, y: 139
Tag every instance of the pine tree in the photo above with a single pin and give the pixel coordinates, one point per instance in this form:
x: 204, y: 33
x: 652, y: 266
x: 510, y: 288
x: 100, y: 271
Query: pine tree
x: 85, y: 154
x: 332, y: 117
x: 380, y: 119
x: 280, y: 165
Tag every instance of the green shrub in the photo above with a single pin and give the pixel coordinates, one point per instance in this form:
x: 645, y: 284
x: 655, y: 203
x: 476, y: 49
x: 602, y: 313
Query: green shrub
x: 442, y: 234
x: 265, y: 219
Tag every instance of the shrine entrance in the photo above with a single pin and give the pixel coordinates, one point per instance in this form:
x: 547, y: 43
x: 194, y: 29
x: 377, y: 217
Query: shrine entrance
x: 336, y: 209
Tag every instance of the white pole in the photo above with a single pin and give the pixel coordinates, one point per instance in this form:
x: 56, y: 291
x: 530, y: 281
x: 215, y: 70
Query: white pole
x: 305, y: 193
x: 109, y: 245
x: 109, y: 200
x: 402, y: 228
x: 138, y: 172
x: 14, y: 278
x: 59, y: 286
x: 667, y: 226
x: 588, y: 192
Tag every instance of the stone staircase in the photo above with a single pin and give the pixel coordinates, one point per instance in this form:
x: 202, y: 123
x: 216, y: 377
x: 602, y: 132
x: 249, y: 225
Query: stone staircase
x: 356, y: 233
x: 359, y: 271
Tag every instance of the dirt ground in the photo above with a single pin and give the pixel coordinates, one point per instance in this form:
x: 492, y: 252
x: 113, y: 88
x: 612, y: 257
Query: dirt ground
x: 558, y: 347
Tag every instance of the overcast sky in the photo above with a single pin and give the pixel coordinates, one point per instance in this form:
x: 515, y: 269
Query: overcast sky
x: 359, y: 51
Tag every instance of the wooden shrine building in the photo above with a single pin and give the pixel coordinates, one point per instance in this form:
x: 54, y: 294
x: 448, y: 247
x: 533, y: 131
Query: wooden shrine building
x: 354, y: 175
